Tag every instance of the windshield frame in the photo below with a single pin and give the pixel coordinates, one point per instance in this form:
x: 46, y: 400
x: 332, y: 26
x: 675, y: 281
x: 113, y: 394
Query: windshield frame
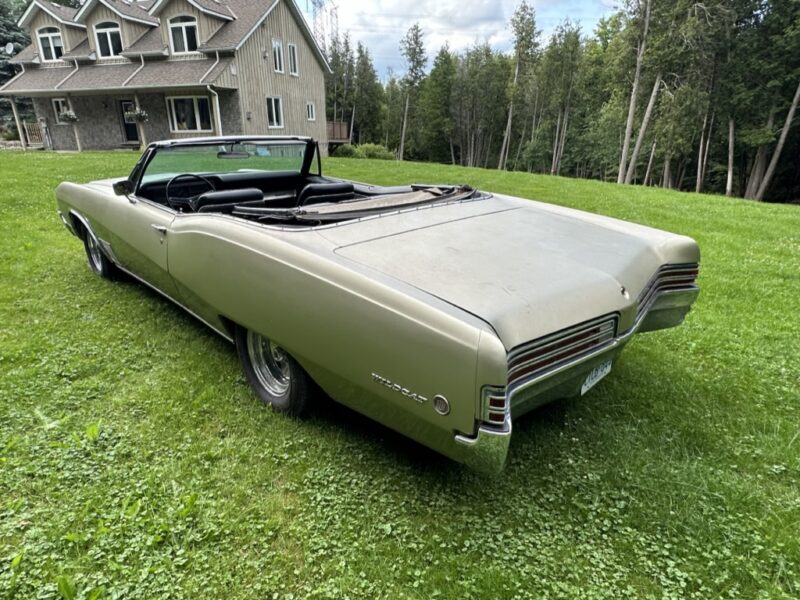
x: 136, y: 177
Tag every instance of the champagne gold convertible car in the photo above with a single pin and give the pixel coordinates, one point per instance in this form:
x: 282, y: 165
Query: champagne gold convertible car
x: 441, y: 311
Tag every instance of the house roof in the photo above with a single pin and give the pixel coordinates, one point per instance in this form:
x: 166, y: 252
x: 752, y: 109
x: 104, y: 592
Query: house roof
x: 128, y: 76
x: 169, y: 73
x: 60, y: 13
x: 217, y: 8
x: 36, y: 80
x: 28, y: 54
x: 132, y: 10
x: 231, y: 36
x: 80, y: 52
x: 151, y: 43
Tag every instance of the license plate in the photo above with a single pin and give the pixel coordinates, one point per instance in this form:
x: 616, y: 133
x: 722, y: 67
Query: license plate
x: 596, y: 375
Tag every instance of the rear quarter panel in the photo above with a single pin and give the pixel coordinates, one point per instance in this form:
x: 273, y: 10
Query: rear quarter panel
x: 341, y: 324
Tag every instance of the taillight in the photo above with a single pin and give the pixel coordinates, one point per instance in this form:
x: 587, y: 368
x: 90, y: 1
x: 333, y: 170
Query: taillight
x: 495, y: 406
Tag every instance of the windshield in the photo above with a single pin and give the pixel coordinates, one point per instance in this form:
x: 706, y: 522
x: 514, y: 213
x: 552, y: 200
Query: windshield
x: 230, y: 157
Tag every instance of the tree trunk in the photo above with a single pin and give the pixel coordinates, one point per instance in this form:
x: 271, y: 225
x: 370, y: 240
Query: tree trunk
x: 452, y: 152
x: 729, y: 182
x: 626, y: 143
x: 403, y: 134
x: 519, y: 147
x: 667, y: 177
x: 563, y: 140
x: 555, y: 144
x: 643, y: 130
x: 501, y: 164
x: 650, y: 164
x: 698, y: 183
x: 759, y: 164
x: 773, y: 163
x: 704, y: 170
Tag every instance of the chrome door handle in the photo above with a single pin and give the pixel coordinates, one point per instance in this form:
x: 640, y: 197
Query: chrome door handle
x: 159, y: 228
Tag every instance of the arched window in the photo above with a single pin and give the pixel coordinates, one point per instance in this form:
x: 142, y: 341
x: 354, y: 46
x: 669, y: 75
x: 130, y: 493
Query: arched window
x: 109, y: 39
x: 50, y: 43
x: 183, y: 34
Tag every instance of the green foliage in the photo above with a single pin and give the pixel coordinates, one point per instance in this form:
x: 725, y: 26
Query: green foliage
x: 348, y: 151
x: 375, y: 151
x: 676, y: 477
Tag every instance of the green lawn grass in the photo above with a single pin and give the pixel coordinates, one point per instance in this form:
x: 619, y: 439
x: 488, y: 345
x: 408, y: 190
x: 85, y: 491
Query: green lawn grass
x: 135, y: 460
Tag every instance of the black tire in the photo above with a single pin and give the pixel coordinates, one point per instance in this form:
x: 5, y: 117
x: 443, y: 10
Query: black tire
x: 275, y: 377
x: 98, y: 261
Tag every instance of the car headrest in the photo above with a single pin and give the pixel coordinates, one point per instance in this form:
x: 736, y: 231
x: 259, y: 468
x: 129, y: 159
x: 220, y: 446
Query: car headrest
x: 325, y: 192
x: 227, y: 197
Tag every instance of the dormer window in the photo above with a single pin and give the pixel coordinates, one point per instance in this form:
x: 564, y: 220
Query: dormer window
x: 109, y: 39
x: 183, y: 35
x: 50, y: 44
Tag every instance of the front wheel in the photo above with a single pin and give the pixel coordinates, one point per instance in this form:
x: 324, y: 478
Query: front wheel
x: 276, y: 378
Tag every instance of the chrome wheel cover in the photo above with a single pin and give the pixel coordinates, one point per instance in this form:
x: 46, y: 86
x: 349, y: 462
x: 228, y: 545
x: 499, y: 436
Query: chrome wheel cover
x: 95, y: 254
x: 270, y: 364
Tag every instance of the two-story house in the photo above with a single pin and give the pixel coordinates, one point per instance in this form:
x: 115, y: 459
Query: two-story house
x: 195, y: 67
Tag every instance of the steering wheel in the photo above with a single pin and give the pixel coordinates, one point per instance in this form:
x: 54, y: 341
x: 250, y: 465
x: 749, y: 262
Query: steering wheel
x: 180, y: 202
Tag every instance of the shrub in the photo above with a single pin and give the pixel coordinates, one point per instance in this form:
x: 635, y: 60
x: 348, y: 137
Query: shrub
x: 348, y: 151
x: 376, y: 151
x: 10, y: 134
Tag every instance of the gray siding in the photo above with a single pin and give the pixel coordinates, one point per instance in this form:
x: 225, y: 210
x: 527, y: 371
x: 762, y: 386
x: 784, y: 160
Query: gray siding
x: 206, y: 24
x: 257, y: 80
x: 70, y: 36
x: 130, y: 31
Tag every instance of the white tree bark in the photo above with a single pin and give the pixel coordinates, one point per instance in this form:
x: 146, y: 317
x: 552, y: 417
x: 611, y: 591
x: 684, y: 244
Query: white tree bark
x: 643, y: 130
x: 773, y: 163
x: 626, y: 143
x: 649, y: 164
x: 729, y: 182
x: 403, y: 133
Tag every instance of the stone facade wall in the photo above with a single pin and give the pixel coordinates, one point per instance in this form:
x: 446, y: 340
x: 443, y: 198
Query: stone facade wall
x: 101, y: 127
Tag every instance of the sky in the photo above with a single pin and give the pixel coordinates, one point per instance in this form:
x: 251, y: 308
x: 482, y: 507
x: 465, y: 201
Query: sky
x: 380, y: 24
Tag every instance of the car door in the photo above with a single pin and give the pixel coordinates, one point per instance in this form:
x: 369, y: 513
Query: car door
x: 138, y: 233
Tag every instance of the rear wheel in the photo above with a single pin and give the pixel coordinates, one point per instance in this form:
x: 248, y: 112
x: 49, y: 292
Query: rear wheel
x: 276, y: 378
x: 98, y: 262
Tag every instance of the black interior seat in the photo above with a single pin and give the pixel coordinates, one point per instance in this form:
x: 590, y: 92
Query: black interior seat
x: 314, y: 193
x: 226, y: 197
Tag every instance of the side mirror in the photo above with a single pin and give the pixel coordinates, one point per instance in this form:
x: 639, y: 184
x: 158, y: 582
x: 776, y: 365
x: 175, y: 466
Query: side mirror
x: 123, y: 188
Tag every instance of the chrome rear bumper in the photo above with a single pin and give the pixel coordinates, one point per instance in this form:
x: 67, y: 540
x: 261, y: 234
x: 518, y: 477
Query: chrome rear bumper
x: 487, y: 450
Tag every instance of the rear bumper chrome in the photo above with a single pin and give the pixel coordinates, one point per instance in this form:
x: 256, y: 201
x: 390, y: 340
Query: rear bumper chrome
x: 487, y: 450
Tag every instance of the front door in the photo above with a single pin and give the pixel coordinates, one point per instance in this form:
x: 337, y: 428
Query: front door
x: 137, y: 232
x: 129, y: 125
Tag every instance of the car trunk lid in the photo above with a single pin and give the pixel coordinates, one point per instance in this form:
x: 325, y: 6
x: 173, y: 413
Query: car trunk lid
x: 526, y: 272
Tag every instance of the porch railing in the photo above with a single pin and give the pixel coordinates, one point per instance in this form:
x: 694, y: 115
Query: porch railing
x: 338, y: 131
x: 33, y: 133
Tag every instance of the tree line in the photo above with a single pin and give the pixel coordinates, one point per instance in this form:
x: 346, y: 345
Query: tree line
x: 682, y: 94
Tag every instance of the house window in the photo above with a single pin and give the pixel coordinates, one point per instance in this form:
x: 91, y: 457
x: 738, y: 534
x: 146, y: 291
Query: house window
x: 311, y: 111
x: 109, y: 39
x: 274, y: 113
x: 293, y: 60
x: 189, y: 113
x: 60, y: 106
x: 50, y: 44
x: 183, y: 35
x: 277, y: 55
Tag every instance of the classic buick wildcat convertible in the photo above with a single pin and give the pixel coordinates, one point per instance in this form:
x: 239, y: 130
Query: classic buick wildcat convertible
x: 442, y: 311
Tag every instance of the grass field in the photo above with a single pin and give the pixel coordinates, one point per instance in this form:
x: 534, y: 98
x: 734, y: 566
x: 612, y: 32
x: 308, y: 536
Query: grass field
x: 135, y: 462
